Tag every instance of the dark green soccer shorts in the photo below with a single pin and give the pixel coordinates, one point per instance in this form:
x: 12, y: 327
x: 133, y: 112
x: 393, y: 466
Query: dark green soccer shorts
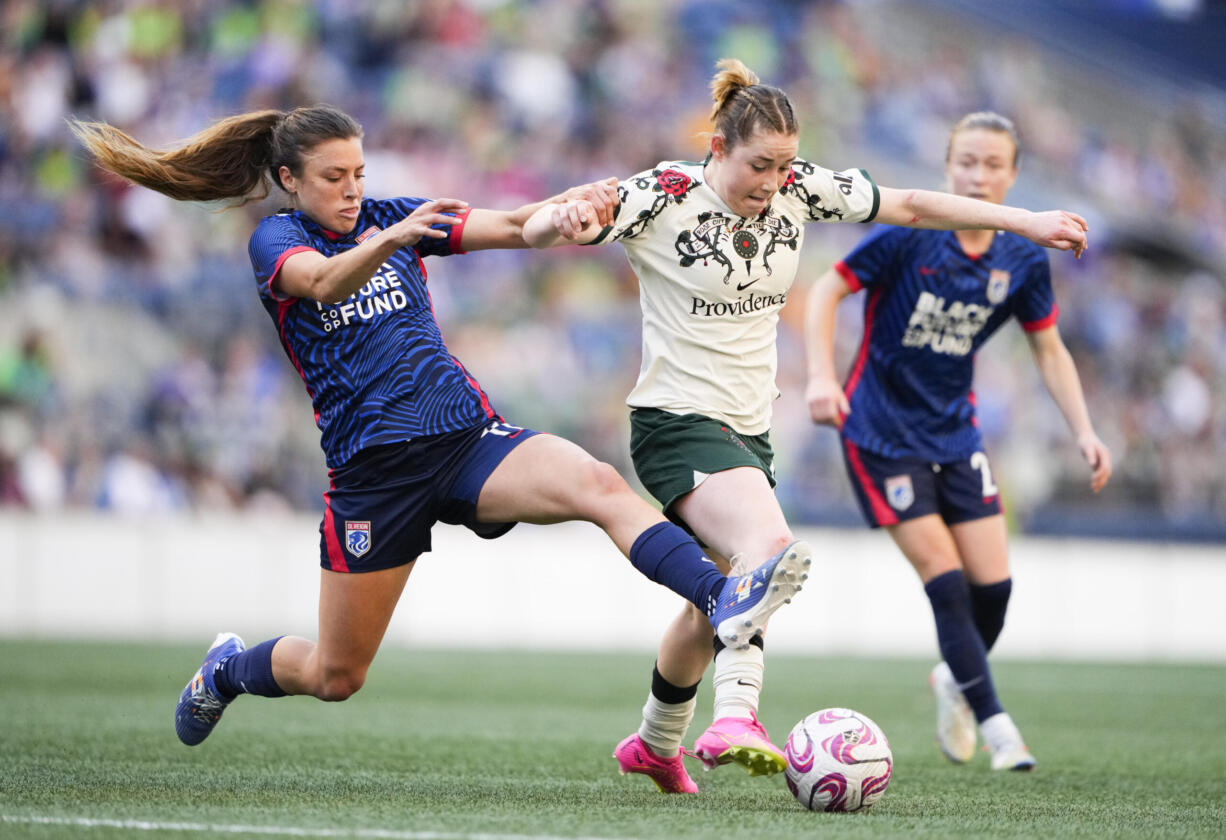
x: 669, y: 448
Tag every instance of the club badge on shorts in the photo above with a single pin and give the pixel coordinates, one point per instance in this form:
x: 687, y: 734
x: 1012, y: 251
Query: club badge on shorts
x: 357, y: 537
x: 998, y: 285
x: 899, y: 492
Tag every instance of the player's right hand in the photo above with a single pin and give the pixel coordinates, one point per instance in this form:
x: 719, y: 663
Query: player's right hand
x: 601, y: 194
x: 826, y: 400
x: 1059, y: 229
x: 572, y: 217
x: 420, y: 223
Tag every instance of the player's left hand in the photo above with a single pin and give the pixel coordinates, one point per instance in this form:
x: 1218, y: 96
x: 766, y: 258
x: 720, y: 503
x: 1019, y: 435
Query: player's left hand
x: 602, y: 195
x: 1059, y: 229
x: 1098, y: 456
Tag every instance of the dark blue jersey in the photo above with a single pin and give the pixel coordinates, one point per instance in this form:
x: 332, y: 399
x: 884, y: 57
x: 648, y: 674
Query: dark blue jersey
x: 375, y: 364
x: 930, y: 307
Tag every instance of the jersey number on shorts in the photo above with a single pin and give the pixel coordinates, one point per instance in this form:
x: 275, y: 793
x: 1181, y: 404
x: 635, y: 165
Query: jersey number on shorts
x: 979, y: 461
x: 502, y: 429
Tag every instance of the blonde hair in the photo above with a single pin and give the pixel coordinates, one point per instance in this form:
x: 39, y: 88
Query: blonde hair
x: 987, y: 121
x: 234, y: 158
x: 743, y: 104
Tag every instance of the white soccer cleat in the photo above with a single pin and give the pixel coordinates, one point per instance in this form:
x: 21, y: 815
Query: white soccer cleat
x: 1012, y: 757
x: 1005, y: 744
x: 956, y: 734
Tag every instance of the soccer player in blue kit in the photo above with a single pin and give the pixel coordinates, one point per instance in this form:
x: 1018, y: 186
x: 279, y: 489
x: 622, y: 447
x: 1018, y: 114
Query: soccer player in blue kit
x: 906, y: 416
x: 715, y: 247
x: 409, y: 436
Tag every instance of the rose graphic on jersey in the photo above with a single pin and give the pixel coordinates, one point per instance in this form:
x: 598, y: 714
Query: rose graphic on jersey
x: 674, y: 183
x: 672, y: 186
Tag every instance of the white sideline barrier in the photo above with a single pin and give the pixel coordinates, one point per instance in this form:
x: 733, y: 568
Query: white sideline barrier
x: 567, y: 587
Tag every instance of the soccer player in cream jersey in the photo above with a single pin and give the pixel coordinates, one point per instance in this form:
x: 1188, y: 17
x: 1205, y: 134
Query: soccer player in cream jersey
x: 409, y: 436
x: 715, y: 245
x: 906, y: 417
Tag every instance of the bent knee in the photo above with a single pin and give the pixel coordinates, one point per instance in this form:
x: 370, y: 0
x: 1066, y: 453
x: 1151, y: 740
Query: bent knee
x: 605, y: 479
x: 600, y: 485
x: 341, y: 684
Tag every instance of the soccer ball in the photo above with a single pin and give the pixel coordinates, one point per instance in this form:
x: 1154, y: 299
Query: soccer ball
x: 838, y: 760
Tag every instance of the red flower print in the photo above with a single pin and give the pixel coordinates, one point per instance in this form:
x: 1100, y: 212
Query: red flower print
x: 673, y: 183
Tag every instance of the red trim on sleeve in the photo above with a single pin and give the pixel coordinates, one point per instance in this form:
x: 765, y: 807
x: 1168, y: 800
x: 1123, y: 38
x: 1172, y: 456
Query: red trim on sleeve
x: 882, y: 511
x: 1042, y: 323
x: 857, y: 368
x: 848, y: 276
x: 276, y: 269
x: 457, y: 233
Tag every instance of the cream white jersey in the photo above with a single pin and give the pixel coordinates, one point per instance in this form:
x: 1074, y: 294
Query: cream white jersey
x: 711, y: 282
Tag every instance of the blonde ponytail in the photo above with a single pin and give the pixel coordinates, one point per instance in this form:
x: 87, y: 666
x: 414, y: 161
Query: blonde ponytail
x: 732, y: 76
x: 743, y: 104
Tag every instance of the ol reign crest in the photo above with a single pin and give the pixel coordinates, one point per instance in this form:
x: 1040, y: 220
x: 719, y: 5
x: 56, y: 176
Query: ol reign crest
x: 899, y: 492
x: 357, y: 537
x: 998, y: 285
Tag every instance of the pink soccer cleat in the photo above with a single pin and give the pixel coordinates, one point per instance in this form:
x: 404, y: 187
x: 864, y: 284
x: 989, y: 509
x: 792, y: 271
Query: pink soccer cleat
x: 669, y: 774
x: 742, y: 741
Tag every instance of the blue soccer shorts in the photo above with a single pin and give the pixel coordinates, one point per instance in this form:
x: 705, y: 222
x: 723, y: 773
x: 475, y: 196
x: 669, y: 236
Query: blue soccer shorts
x: 893, y: 490
x: 384, y: 501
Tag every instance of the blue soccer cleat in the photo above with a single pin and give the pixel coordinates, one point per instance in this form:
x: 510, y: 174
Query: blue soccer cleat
x: 201, y: 704
x: 747, y: 601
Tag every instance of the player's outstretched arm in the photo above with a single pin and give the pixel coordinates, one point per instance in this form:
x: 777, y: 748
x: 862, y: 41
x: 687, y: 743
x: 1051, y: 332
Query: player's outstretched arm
x: 570, y: 223
x: 1058, y: 229
x: 823, y: 394
x: 487, y: 229
x: 1059, y: 374
x: 309, y: 274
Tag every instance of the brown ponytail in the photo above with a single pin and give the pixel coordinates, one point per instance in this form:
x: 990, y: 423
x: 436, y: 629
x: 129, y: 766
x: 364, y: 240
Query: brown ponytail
x: 742, y: 104
x: 233, y: 158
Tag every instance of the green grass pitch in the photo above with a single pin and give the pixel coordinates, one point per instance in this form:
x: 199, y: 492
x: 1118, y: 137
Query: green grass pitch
x: 517, y: 745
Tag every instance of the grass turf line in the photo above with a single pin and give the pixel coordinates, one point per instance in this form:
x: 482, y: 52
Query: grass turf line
x: 467, y: 743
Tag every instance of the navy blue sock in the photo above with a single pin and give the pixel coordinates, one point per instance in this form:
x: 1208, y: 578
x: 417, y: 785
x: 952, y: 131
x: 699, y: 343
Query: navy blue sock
x: 670, y: 557
x: 248, y: 672
x: 961, y: 647
x: 988, y: 605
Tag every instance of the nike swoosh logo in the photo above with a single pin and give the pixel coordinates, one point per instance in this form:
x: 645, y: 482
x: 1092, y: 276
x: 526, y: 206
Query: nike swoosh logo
x: 740, y: 287
x: 966, y: 685
x: 925, y: 270
x: 750, y: 684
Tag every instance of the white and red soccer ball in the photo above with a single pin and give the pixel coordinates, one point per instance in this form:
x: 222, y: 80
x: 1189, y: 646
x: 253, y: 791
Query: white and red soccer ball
x: 838, y: 760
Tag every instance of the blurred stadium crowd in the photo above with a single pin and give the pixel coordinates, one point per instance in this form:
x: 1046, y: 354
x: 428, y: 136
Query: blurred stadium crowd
x: 139, y: 375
